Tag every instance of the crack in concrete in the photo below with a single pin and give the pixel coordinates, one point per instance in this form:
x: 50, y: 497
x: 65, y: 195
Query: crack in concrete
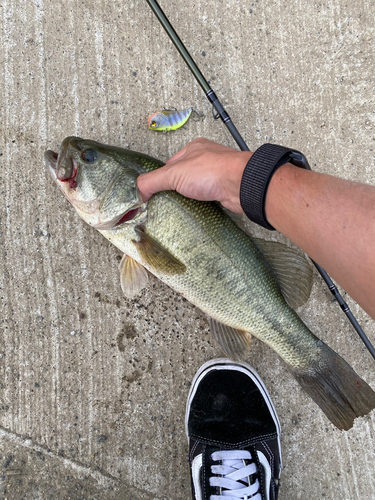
x: 103, y: 478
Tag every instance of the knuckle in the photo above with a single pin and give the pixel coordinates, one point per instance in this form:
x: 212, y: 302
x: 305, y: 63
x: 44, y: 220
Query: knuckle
x: 200, y: 139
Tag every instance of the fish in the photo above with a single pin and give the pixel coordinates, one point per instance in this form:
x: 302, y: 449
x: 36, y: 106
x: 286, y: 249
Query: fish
x: 246, y: 286
x: 169, y: 119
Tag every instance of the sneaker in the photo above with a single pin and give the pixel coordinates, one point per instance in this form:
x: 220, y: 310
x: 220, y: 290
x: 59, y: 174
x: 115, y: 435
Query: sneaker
x: 234, y: 434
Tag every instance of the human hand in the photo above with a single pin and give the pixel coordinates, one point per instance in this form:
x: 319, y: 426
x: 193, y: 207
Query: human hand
x: 202, y: 170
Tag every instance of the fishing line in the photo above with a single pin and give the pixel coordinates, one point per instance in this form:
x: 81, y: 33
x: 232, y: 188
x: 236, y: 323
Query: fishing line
x: 221, y: 113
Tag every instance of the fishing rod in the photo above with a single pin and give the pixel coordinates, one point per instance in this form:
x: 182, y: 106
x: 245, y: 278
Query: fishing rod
x: 221, y: 113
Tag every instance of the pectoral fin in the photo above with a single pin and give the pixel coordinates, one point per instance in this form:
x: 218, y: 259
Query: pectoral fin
x: 133, y: 276
x: 234, y: 343
x: 292, y: 270
x: 157, y: 257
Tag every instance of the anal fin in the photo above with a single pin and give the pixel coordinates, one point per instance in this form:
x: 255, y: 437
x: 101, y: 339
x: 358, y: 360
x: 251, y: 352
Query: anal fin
x: 234, y: 343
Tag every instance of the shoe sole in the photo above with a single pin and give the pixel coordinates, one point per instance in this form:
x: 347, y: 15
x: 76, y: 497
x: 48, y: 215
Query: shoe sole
x: 227, y: 364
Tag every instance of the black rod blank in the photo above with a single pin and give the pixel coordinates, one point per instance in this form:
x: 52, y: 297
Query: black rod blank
x: 344, y: 306
x: 211, y: 96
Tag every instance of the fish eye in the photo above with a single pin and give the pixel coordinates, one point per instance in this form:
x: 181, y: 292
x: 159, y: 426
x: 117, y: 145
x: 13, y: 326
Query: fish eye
x: 153, y: 124
x: 89, y: 156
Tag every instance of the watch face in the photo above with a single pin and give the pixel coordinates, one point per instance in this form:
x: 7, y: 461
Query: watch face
x: 299, y: 160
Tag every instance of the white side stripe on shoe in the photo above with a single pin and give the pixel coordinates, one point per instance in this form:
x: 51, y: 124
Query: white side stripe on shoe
x: 267, y: 470
x: 196, y: 467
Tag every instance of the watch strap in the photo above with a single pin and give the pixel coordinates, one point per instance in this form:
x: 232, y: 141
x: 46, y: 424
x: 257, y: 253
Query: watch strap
x: 257, y: 175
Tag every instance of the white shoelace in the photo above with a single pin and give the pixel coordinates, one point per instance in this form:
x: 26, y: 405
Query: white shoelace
x: 233, y: 476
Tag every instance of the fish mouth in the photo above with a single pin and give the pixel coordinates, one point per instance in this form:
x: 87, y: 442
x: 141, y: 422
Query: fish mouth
x: 66, y: 167
x: 51, y: 160
x: 62, y: 166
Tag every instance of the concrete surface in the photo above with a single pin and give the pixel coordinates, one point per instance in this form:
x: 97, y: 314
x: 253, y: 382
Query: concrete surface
x: 93, y: 386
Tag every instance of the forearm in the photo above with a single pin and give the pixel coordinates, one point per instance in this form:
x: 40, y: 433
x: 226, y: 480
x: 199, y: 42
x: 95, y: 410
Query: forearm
x: 333, y: 221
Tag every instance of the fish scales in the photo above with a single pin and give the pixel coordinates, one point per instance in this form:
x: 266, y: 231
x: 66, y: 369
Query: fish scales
x: 196, y: 249
x: 231, y: 281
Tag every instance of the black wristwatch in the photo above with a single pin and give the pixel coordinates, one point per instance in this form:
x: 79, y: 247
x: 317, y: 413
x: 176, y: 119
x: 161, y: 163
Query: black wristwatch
x: 257, y: 175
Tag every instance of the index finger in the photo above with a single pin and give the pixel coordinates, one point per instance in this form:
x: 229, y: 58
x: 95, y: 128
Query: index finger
x: 193, y: 144
x: 178, y: 155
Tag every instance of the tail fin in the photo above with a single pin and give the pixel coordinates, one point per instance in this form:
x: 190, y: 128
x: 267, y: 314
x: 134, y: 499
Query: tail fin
x: 337, y: 389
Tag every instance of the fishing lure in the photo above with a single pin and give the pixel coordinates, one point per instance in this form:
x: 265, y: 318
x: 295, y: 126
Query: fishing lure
x: 169, y: 119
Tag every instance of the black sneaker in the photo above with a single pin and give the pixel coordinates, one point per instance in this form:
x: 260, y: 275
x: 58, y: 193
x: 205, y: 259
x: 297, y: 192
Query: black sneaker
x: 234, y: 434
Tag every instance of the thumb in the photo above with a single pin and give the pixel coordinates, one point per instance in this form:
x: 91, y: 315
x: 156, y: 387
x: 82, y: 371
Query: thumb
x: 153, y: 182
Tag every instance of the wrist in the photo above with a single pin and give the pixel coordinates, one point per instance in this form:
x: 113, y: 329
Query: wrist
x: 280, y: 191
x: 231, y: 180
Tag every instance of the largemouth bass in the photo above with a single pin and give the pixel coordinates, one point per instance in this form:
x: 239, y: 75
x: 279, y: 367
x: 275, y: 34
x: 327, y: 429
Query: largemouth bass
x: 245, y: 286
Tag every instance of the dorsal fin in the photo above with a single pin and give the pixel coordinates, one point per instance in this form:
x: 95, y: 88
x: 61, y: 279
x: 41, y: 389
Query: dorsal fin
x: 292, y: 270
